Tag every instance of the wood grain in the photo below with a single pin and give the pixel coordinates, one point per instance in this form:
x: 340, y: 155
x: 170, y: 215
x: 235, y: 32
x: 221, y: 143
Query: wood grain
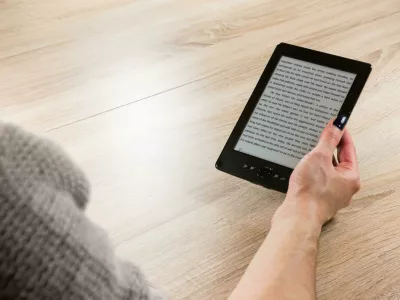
x: 143, y: 95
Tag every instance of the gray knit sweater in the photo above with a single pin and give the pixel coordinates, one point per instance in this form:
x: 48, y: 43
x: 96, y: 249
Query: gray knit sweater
x: 48, y: 248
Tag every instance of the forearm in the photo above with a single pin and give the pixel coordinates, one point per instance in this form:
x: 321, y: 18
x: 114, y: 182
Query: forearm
x: 284, y: 266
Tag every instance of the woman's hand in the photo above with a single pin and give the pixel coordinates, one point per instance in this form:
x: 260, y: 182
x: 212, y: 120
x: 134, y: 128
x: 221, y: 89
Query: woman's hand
x: 284, y: 266
x: 320, y: 186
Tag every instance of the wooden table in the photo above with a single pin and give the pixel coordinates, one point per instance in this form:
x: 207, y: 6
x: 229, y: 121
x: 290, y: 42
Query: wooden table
x: 143, y: 95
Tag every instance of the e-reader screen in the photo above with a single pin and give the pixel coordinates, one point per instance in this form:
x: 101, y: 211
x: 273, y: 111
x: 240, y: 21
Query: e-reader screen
x: 298, y: 101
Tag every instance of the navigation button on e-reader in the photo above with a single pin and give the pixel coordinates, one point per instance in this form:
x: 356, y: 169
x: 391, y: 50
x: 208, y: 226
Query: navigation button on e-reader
x: 282, y: 178
x: 267, y: 170
x: 245, y: 166
x: 261, y: 173
x: 276, y: 176
x: 252, y: 168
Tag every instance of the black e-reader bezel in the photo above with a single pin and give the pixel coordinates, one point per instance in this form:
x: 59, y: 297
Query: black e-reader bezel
x: 266, y: 173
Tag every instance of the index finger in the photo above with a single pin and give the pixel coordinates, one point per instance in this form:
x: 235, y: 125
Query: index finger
x: 347, y: 155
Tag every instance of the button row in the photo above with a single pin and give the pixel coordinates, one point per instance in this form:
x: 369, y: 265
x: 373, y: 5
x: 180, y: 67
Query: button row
x: 264, y: 172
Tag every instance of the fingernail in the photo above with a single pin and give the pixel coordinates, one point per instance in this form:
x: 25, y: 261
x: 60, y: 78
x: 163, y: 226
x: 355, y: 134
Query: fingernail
x: 340, y: 122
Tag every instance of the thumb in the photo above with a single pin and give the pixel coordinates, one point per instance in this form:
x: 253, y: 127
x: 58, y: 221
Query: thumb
x: 332, y: 134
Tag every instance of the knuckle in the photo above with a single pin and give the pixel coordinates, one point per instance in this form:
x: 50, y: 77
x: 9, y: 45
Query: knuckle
x: 333, y: 136
x: 319, y: 154
x: 356, y: 184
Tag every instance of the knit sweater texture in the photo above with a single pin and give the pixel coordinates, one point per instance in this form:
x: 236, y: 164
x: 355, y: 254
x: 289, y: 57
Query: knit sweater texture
x: 49, y: 249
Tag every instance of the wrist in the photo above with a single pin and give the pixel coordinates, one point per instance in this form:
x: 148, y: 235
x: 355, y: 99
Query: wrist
x: 299, y: 214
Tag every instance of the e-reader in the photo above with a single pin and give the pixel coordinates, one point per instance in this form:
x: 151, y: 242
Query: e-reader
x: 299, y: 91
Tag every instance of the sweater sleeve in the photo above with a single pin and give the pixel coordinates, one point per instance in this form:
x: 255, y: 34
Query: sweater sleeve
x: 49, y: 249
